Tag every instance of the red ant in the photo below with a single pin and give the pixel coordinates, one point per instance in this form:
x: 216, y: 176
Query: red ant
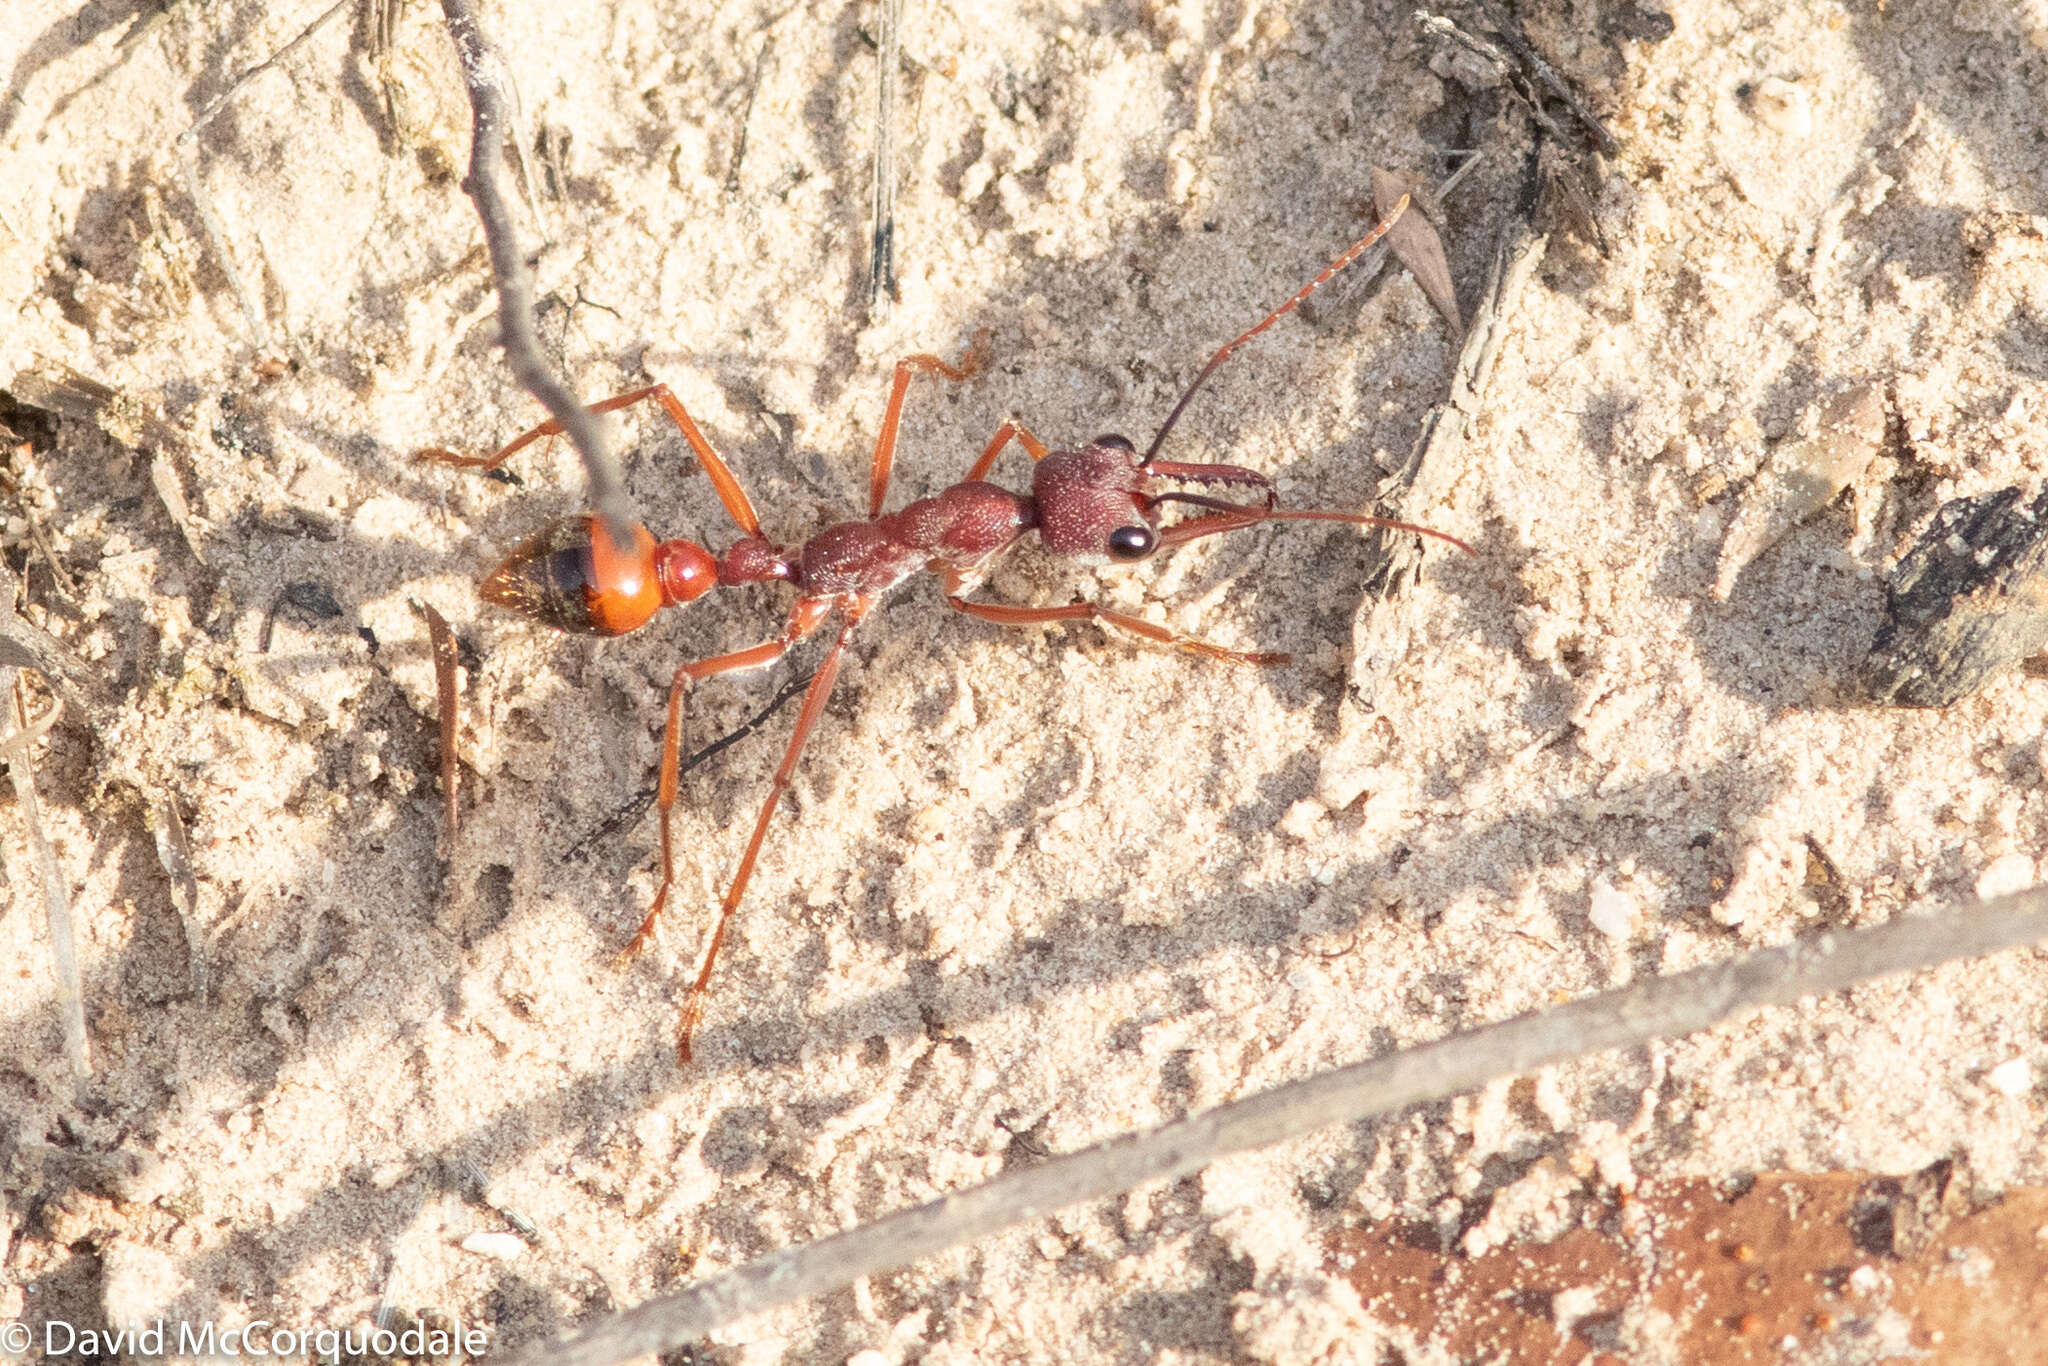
x: 1096, y: 505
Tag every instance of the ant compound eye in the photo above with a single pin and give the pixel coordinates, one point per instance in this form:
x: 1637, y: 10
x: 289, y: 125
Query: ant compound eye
x: 1132, y: 542
x: 1115, y: 442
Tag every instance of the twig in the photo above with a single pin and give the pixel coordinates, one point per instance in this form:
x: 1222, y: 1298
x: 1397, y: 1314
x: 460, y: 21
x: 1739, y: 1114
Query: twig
x: 882, y: 247
x: 483, y: 72
x: 188, y: 163
x: 1384, y: 630
x: 1661, y: 1007
x: 739, y: 147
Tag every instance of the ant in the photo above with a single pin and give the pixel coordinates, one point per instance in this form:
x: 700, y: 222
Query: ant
x: 1100, y: 504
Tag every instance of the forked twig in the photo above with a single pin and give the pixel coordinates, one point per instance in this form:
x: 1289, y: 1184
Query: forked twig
x: 484, y: 74
x: 1660, y: 1007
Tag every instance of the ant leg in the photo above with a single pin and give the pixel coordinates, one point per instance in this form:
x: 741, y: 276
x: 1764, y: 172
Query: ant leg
x: 885, y: 441
x: 1024, y: 438
x: 737, y: 505
x: 854, y: 608
x: 1236, y: 519
x: 807, y: 616
x: 1005, y: 615
x: 1350, y: 254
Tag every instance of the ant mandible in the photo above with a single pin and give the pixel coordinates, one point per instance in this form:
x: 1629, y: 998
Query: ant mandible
x: 1096, y: 505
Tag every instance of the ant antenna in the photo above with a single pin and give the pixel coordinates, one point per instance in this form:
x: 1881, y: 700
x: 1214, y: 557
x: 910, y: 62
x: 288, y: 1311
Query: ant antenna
x: 1351, y: 254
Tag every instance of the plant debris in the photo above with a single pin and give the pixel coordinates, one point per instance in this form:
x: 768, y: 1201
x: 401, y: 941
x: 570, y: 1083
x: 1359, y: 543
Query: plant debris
x: 1965, y: 604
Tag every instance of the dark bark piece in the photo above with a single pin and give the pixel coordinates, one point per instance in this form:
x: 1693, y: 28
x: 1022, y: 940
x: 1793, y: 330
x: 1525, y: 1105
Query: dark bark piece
x: 1968, y: 601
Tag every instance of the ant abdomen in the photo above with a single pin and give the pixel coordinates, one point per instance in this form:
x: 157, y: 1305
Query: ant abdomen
x: 570, y: 577
x: 552, y: 577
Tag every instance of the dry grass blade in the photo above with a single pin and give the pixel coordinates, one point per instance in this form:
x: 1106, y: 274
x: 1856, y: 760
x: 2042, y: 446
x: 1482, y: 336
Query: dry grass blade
x: 25, y: 645
x: 1661, y: 1007
x: 882, y: 246
x: 174, y: 852
x: 1416, y: 245
x: 15, y: 751
x: 164, y: 479
x: 446, y: 661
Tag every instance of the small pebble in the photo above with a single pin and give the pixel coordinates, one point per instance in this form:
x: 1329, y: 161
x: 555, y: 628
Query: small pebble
x: 499, y: 1247
x: 2013, y: 1077
x: 2007, y: 873
x: 1803, y: 476
x: 1613, y: 912
x: 1305, y: 820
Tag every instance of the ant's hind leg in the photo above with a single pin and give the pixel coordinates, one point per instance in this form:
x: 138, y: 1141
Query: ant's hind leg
x: 804, y: 618
x: 737, y: 505
x: 807, y: 720
x: 1005, y: 615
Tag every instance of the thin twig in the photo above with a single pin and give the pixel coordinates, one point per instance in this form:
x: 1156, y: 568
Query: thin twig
x: 739, y: 147
x: 483, y: 71
x: 1660, y: 1007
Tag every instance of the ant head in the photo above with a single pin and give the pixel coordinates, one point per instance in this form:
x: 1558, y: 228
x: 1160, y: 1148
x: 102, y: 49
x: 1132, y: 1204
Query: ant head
x: 1092, y: 503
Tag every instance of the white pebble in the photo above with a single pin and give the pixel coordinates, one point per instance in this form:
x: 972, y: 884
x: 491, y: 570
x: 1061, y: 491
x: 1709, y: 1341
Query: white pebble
x: 1613, y: 912
x: 499, y: 1247
x: 2007, y: 873
x: 1305, y: 820
x: 1570, y: 1305
x: 2013, y: 1077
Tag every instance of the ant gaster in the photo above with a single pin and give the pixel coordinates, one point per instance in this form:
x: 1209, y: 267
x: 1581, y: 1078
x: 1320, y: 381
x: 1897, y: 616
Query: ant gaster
x: 1100, y: 504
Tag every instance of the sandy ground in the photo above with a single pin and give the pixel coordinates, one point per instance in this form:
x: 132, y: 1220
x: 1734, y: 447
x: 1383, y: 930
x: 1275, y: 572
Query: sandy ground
x: 1033, y: 888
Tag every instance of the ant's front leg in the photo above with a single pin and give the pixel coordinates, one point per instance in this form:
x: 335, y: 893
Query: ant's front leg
x: 1004, y: 434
